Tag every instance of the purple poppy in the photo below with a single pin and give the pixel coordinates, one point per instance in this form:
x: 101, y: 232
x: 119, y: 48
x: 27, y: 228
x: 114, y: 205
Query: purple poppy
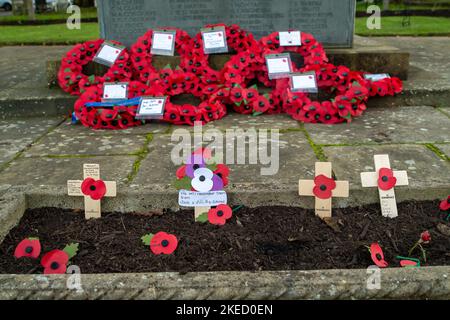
x: 194, y: 162
x: 217, y: 183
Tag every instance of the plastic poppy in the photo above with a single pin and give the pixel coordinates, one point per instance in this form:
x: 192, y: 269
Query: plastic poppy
x: 425, y: 237
x: 55, y: 262
x: 30, y: 248
x: 96, y: 189
x: 445, y: 204
x: 222, y: 172
x: 386, y: 179
x: 163, y: 243
x: 377, y: 255
x: 220, y: 214
x: 181, y: 172
x: 324, y: 187
x: 203, y: 180
x: 409, y: 263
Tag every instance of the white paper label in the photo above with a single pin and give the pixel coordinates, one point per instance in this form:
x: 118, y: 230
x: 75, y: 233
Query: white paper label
x: 201, y: 199
x: 109, y: 53
x: 114, y: 91
x: 162, y: 41
x: 151, y: 107
x: 290, y: 38
x: 278, y: 65
x: 213, y: 40
x: 306, y: 82
x: 376, y: 76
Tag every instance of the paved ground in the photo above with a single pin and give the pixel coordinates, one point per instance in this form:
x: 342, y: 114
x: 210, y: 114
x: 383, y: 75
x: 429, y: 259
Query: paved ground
x: 49, y: 151
x: 42, y: 152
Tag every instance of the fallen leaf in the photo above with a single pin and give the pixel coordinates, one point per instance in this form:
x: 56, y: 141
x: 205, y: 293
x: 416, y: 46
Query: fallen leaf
x: 444, y: 229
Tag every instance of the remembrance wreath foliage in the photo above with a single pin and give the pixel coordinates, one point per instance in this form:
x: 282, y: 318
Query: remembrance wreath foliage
x: 71, y: 77
x: 234, y: 86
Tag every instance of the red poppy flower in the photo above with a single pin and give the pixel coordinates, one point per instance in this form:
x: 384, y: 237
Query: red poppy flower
x: 445, y: 204
x: 220, y: 214
x: 377, y: 255
x: 425, y: 236
x: 30, y: 248
x: 108, y: 114
x: 181, y: 172
x: 324, y: 187
x: 386, y: 179
x: 163, y: 243
x: 261, y: 104
x: 408, y: 263
x: 96, y: 189
x: 236, y: 95
x: 55, y: 262
x: 222, y: 171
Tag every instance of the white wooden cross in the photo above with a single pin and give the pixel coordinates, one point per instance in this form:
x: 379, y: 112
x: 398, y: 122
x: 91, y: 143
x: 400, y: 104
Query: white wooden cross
x: 323, y: 206
x: 91, y: 207
x: 387, y: 197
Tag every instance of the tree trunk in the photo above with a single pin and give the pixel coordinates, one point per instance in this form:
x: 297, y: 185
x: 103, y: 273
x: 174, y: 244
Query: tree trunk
x: 30, y: 9
x: 385, y: 4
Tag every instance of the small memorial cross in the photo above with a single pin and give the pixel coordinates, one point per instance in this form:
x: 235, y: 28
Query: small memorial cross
x: 323, y: 188
x: 385, y: 179
x: 92, y: 188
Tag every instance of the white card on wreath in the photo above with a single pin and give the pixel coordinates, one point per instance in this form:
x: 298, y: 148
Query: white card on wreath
x: 108, y: 54
x: 115, y: 91
x: 303, y: 82
x: 376, y: 76
x: 151, y: 108
x: 163, y: 42
x: 278, y: 65
x: 214, y: 40
x: 290, y: 38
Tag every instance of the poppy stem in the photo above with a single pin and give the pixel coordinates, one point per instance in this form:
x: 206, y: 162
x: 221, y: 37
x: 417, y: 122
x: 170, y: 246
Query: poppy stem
x: 424, y: 253
x: 238, y: 208
x: 413, y: 248
x: 448, y: 217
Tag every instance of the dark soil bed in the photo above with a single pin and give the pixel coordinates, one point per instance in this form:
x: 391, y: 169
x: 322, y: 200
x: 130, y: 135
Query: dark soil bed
x: 265, y: 238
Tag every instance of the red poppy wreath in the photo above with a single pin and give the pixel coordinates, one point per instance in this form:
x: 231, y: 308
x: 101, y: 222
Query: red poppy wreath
x: 116, y: 117
x: 141, y: 56
x: 175, y: 82
x: 71, y: 77
x: 348, y: 87
x: 196, y: 60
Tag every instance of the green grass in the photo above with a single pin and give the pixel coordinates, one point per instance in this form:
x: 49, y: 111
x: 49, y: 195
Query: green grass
x: 59, y: 34
x: 85, y: 13
x: 47, y: 34
x: 397, y: 6
x: 392, y: 26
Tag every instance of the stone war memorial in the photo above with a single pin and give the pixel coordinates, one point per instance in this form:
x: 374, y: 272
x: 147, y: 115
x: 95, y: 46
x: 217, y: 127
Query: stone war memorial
x: 224, y: 150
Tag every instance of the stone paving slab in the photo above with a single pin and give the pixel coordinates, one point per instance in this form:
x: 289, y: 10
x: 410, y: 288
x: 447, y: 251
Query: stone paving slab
x: 296, y: 156
x: 63, y: 144
x: 16, y: 135
x: 425, y: 168
x: 445, y: 148
x: 56, y: 171
x: 386, y: 125
x: 79, y: 130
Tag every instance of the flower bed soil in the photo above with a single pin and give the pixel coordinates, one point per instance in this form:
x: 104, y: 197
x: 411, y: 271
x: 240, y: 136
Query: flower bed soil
x: 265, y: 238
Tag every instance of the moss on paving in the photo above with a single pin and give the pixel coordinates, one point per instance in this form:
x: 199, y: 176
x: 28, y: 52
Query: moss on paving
x: 141, y: 154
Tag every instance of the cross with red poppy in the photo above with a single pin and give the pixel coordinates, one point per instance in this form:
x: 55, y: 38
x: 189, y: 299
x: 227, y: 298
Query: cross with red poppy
x: 385, y: 179
x: 92, y: 188
x: 323, y: 188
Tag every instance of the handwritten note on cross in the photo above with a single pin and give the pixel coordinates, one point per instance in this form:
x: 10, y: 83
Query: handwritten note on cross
x: 91, y: 203
x: 385, y: 179
x: 323, y: 188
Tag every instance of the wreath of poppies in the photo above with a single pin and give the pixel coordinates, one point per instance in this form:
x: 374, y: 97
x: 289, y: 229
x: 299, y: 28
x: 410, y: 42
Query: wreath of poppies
x: 71, y: 77
x: 233, y: 86
x: 141, y: 56
x: 196, y: 61
x: 348, y: 87
x: 116, y: 117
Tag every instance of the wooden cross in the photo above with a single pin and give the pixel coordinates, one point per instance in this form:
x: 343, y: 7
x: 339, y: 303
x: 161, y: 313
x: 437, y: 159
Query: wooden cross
x: 323, y: 205
x: 91, y: 206
x: 387, y: 197
x: 198, y: 211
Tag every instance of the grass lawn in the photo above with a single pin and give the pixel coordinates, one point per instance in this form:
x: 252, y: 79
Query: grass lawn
x: 392, y: 26
x: 59, y: 34
x: 47, y: 34
x: 85, y: 13
x: 360, y: 6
